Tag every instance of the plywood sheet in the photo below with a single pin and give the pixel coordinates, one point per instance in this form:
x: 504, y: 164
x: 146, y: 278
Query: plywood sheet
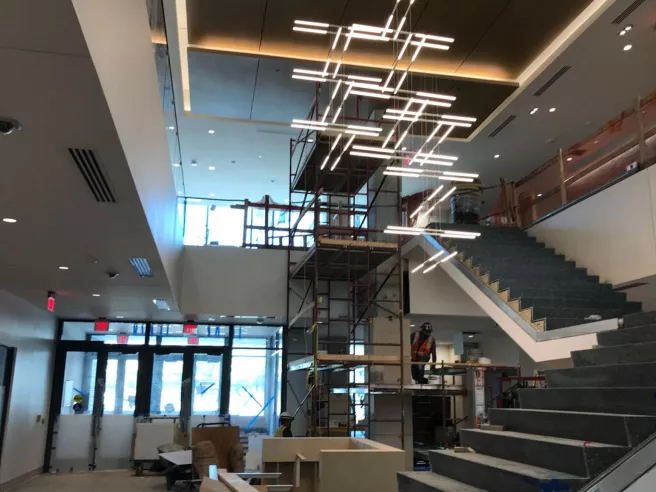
x: 223, y: 439
x: 284, y: 450
x: 357, y: 470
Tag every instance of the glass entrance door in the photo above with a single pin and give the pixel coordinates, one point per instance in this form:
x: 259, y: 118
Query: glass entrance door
x: 114, y: 446
x: 206, y: 388
x: 77, y: 425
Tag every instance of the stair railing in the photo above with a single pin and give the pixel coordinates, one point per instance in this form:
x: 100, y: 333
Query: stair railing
x: 627, y: 470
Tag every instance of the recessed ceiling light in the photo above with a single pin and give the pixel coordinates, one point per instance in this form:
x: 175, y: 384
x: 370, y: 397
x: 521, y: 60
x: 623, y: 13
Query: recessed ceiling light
x: 171, y: 128
x: 622, y: 32
x: 539, y: 195
x: 211, y: 194
x: 194, y: 163
x: 534, y: 110
x: 95, y: 295
x: 569, y: 159
x: 470, y: 336
x: 496, y: 156
x: 628, y: 27
x: 551, y: 110
x: 120, y: 317
x: 596, y: 142
x: 179, y: 193
x: 310, y: 140
x: 404, y: 148
x: 628, y: 47
x: 176, y: 164
x: 211, y: 168
x: 211, y: 132
x: 210, y: 319
x: 259, y: 157
x: 63, y: 268
x: 9, y: 220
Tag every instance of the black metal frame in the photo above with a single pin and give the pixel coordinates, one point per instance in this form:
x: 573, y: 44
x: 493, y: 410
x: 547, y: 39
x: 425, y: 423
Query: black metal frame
x: 146, y: 354
x: 7, y: 384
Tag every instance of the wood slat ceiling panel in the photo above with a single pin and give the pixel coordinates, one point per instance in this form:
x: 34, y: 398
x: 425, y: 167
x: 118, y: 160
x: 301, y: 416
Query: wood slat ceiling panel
x: 519, y: 34
x: 466, y: 21
x: 279, y: 37
x: 226, y: 23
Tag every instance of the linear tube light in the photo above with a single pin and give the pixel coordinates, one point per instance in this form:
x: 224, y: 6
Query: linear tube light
x: 325, y: 161
x: 460, y: 118
x: 311, y: 23
x: 310, y: 30
x: 339, y: 33
x: 308, y: 77
x: 441, y: 261
x: 405, y: 175
x: 457, y: 236
x: 436, y: 96
x: 365, y: 128
x: 464, y: 175
x: 456, y: 178
x: 371, y: 154
x: 376, y: 149
x: 371, y: 94
x: 432, y: 258
x: 362, y: 133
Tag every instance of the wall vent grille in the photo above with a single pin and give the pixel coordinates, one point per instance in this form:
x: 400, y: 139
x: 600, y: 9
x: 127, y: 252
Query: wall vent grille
x: 505, y: 123
x: 629, y: 10
x: 88, y: 165
x: 552, y: 80
x: 141, y: 266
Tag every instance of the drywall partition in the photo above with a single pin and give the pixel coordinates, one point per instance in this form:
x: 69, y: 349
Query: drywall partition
x: 31, y: 331
x: 611, y: 233
x: 210, y: 274
x: 334, y: 464
x: 437, y: 294
x: 119, y: 40
x: 540, y: 346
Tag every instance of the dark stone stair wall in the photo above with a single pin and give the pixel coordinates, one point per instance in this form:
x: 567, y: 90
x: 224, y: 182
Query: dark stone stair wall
x: 558, y: 291
x: 563, y: 436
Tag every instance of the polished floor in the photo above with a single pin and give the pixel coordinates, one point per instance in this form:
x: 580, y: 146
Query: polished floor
x: 98, y: 481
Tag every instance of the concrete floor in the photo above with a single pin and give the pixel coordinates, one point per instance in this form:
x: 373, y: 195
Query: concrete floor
x: 98, y: 481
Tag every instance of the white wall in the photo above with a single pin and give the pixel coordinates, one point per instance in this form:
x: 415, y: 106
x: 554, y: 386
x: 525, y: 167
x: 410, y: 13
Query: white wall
x: 646, y: 483
x: 437, y: 294
x: 32, y: 332
x: 234, y: 281
x: 612, y: 233
x: 118, y: 36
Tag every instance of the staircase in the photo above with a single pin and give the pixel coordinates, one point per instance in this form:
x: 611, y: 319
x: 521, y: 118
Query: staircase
x: 542, y: 286
x: 563, y: 436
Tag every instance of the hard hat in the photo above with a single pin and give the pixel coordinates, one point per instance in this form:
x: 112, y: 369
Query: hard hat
x: 285, y: 415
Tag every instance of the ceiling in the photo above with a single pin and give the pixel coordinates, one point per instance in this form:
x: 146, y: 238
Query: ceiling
x: 495, y: 38
x: 56, y: 95
x: 239, y: 69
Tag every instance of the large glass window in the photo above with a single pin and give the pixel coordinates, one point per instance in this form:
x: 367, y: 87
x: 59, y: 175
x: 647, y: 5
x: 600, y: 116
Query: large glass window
x: 206, y: 396
x: 173, y: 334
x: 120, y: 383
x: 166, y: 387
x: 107, y: 332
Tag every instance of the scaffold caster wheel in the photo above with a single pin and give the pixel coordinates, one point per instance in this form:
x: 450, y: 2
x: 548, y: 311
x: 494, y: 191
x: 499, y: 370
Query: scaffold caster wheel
x: 138, y: 470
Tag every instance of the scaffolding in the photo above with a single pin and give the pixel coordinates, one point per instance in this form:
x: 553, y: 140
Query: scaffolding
x: 349, y: 276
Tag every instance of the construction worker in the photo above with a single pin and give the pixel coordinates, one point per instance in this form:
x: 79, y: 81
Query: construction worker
x: 285, y: 429
x: 423, y: 347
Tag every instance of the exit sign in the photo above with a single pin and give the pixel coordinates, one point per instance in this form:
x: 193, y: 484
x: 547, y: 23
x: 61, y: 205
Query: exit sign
x: 189, y: 328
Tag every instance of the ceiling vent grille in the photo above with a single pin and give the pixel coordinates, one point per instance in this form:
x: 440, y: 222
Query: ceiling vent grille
x: 92, y: 173
x: 162, y: 304
x: 629, y: 10
x: 505, y: 123
x: 552, y: 80
x: 141, y: 266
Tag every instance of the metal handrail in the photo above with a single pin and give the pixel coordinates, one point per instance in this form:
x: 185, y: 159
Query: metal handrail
x: 627, y: 470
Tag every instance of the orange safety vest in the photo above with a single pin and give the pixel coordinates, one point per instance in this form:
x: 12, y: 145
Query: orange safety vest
x: 425, y: 348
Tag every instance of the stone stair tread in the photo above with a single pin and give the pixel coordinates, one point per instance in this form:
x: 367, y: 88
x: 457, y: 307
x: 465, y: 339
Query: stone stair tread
x: 440, y: 482
x: 550, y: 439
x: 602, y: 414
x: 511, y: 466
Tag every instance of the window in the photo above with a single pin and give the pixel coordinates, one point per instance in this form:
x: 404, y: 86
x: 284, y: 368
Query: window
x: 120, y: 383
x: 114, y: 332
x: 166, y: 386
x: 195, y: 232
x: 225, y: 226
x: 206, y: 396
